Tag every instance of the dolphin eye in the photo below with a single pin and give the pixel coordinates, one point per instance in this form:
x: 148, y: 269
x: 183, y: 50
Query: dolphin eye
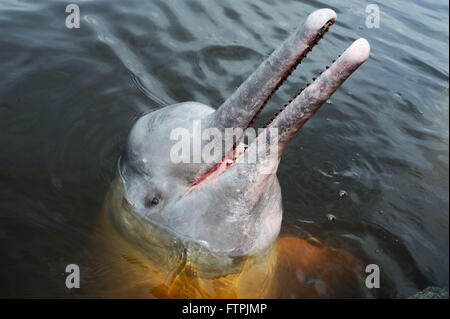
x: 152, y: 201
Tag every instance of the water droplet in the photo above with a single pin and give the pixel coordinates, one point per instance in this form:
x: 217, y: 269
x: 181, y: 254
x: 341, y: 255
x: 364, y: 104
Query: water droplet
x: 328, y: 102
x: 380, y: 211
x: 331, y: 217
x: 342, y: 193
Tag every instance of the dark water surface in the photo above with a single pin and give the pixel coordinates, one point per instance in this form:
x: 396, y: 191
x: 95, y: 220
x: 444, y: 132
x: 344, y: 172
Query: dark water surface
x: 68, y: 99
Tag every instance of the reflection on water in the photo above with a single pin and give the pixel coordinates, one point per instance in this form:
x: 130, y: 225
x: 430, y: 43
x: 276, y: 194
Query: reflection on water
x: 69, y: 97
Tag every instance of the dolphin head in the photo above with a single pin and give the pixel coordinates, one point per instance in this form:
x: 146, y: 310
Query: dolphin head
x: 222, y: 193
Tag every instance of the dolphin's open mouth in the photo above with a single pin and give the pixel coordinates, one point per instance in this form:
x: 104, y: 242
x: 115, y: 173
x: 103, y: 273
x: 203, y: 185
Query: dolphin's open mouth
x: 243, y: 108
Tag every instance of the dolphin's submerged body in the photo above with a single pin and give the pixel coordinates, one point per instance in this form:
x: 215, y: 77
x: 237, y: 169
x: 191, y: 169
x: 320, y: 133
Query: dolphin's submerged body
x: 210, y: 228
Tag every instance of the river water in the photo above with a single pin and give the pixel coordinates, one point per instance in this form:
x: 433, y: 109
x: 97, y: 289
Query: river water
x: 375, y: 157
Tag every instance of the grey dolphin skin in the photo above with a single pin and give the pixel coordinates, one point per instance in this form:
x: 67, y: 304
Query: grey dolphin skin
x: 230, y: 206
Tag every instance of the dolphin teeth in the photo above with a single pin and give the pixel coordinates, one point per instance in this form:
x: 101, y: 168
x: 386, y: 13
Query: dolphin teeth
x: 315, y: 41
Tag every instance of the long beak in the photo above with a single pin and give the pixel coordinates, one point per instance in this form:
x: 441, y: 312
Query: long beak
x: 244, y: 105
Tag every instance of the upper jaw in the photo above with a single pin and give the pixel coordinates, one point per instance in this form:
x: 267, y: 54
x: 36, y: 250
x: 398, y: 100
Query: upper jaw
x: 242, y: 107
